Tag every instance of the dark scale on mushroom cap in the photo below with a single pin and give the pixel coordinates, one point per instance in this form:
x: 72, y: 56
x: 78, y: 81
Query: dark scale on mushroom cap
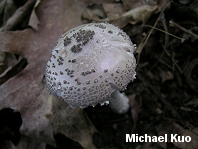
x: 67, y: 41
x: 83, y: 36
x: 95, y: 80
x: 110, y: 32
x: 84, y: 73
x: 89, y: 63
x: 105, y: 70
x: 76, y: 48
x: 100, y: 26
x: 73, y: 61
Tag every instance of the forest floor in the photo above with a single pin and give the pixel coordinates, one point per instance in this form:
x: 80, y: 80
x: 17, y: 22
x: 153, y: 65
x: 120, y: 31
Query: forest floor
x: 164, y: 96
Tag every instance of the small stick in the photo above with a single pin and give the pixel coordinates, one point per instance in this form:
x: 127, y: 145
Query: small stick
x: 182, y: 39
x: 144, y: 41
x: 172, y: 23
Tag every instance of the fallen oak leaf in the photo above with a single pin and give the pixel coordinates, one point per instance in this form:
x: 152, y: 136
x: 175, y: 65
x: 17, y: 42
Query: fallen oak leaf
x: 26, y: 93
x: 25, y: 143
x: 138, y: 14
x: 13, y: 70
x: 176, y: 134
x: 18, y: 16
x: 34, y: 21
x: 135, y: 104
x: 7, y: 60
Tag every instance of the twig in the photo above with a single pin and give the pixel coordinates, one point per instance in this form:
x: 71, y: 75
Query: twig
x: 163, y: 20
x: 144, y: 41
x: 193, y: 35
x: 182, y: 39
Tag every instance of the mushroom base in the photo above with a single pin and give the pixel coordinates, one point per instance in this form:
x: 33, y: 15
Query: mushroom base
x: 119, y: 102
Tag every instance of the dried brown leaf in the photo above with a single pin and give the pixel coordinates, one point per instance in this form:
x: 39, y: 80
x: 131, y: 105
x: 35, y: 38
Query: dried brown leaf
x: 18, y: 16
x: 13, y: 69
x: 135, y: 107
x: 6, y: 60
x: 173, y: 128
x: 166, y: 75
x: 138, y: 14
x: 131, y: 4
x: 112, y: 9
x: 43, y: 115
x: 141, y: 13
x: 25, y: 143
x: 93, y: 12
x: 34, y: 21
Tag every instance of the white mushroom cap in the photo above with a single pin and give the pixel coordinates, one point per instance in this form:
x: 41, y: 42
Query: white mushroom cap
x: 90, y: 62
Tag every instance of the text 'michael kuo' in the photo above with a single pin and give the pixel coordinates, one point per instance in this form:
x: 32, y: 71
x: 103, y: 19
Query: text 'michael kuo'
x: 147, y: 138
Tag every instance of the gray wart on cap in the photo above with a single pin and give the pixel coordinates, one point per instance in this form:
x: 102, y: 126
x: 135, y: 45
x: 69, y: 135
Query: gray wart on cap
x: 90, y: 64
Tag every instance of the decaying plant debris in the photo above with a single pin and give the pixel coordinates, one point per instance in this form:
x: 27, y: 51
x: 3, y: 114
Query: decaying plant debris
x: 163, y: 98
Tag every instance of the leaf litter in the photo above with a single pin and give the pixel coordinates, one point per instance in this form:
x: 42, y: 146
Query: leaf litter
x: 26, y: 93
x: 163, y: 98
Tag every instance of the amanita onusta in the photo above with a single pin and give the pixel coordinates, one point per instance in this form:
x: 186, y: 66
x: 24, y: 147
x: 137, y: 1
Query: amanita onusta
x: 90, y: 64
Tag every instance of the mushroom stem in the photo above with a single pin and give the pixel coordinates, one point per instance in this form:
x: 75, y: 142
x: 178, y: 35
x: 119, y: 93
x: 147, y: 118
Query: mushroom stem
x: 119, y: 102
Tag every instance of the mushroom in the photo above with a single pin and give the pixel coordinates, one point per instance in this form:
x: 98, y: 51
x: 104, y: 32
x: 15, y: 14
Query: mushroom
x: 90, y: 64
